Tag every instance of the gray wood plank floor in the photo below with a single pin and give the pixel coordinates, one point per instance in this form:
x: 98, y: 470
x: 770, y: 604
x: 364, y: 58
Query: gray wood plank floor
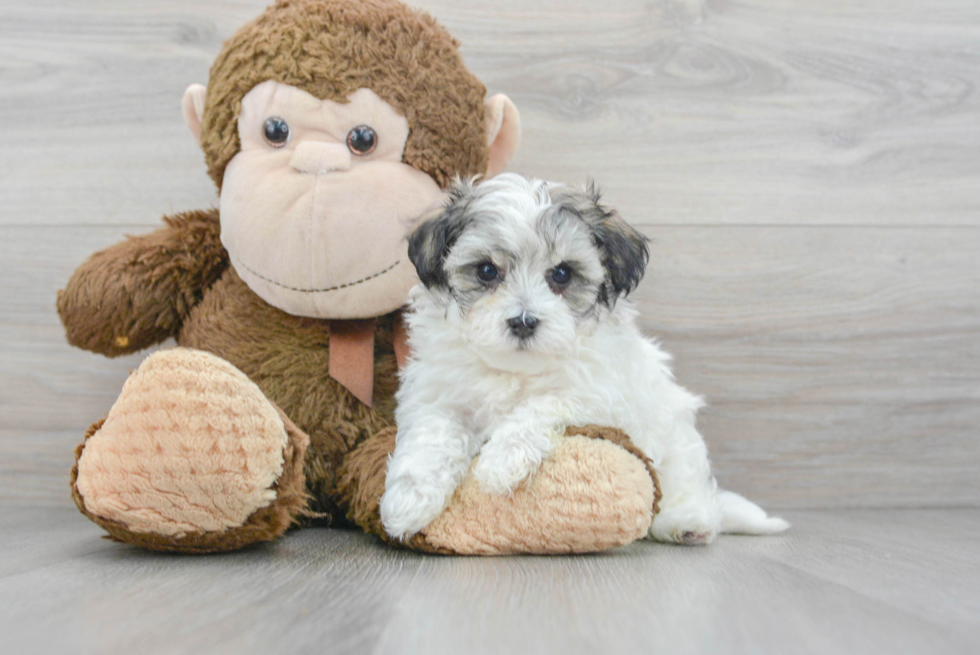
x: 847, y: 581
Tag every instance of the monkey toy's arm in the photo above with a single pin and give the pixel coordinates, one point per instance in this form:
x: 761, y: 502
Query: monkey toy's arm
x: 138, y: 292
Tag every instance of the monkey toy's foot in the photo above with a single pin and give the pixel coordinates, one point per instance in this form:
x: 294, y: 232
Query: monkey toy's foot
x: 191, y: 458
x: 594, y: 492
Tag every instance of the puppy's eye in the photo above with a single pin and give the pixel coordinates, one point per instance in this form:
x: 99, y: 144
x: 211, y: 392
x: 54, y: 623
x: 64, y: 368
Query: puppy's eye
x: 276, y: 132
x: 486, y: 272
x: 362, y: 140
x: 561, y: 275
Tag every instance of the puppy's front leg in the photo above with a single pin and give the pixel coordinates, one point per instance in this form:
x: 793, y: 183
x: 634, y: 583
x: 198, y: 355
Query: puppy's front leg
x: 430, y: 460
x: 518, y: 445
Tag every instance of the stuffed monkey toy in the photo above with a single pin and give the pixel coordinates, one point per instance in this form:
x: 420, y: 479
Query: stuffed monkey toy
x: 329, y: 127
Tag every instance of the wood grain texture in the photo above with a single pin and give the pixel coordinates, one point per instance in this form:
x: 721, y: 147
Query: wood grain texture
x: 758, y: 111
x: 748, y: 112
x: 841, y: 365
x: 838, y: 582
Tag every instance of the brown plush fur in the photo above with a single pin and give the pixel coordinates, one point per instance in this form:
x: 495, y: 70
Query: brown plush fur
x: 138, y: 293
x: 331, y: 48
x: 265, y: 524
x: 361, y: 481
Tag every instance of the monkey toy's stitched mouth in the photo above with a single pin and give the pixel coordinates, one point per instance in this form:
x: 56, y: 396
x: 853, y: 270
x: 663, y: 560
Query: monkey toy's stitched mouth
x: 324, y: 289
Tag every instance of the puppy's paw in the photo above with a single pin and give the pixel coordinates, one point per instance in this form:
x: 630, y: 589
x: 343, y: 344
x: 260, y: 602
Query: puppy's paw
x: 505, y: 463
x: 691, y: 523
x: 407, y: 506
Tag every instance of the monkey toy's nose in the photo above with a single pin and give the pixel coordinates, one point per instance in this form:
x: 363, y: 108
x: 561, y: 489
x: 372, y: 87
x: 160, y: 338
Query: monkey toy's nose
x: 319, y: 157
x: 522, y: 326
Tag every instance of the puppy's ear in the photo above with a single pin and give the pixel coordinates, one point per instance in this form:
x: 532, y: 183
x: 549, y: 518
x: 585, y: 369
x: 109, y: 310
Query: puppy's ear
x: 430, y: 243
x: 624, y: 250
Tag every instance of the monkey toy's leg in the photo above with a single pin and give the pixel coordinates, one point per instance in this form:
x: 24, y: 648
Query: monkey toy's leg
x: 595, y: 491
x: 191, y: 458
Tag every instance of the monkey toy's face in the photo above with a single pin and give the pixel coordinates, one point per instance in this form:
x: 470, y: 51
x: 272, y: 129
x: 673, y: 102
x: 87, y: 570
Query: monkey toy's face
x: 316, y: 206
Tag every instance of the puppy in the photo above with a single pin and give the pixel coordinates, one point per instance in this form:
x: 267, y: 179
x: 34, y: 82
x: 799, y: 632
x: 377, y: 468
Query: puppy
x: 521, y: 328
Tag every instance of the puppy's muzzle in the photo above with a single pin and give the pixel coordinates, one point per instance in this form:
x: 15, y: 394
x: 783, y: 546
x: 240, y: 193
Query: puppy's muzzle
x: 522, y: 326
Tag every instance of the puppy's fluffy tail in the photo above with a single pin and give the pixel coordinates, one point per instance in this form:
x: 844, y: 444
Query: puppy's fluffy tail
x: 739, y: 515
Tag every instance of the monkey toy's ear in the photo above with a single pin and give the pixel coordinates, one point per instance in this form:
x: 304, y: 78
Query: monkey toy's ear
x: 503, y: 132
x: 193, y: 106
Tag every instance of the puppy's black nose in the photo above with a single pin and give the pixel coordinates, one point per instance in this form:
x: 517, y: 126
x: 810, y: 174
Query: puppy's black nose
x: 522, y: 326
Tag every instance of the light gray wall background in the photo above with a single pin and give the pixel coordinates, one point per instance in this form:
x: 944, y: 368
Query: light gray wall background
x: 809, y: 172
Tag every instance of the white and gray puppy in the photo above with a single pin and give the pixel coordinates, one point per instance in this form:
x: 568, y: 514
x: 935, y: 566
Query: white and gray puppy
x: 520, y: 328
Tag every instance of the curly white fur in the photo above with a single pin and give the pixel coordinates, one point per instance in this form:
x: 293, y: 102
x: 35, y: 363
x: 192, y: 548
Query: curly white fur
x: 473, y: 386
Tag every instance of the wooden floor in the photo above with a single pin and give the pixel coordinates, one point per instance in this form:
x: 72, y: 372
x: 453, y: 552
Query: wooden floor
x: 809, y: 174
x: 850, y: 581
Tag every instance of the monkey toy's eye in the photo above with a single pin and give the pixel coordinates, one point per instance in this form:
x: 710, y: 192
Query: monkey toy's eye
x: 276, y: 132
x: 362, y: 140
x: 561, y: 275
x: 486, y: 272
